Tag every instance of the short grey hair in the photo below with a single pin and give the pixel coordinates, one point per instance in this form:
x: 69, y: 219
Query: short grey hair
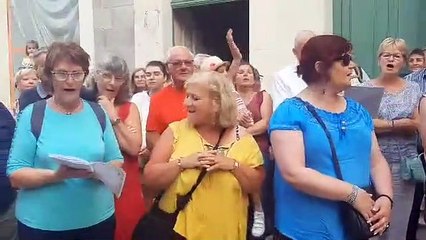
x: 173, y: 49
x: 113, y: 64
x: 117, y: 66
x: 302, y: 37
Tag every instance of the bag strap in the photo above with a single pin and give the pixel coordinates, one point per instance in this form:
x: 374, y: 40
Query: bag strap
x: 39, y: 107
x: 184, y: 200
x: 99, y: 112
x: 336, y: 164
x: 37, y: 117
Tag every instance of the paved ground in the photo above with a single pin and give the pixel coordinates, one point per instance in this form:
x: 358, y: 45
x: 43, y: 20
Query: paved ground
x: 421, y: 233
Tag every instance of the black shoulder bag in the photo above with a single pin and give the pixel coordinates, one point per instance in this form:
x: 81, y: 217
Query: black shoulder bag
x: 356, y: 226
x: 158, y: 224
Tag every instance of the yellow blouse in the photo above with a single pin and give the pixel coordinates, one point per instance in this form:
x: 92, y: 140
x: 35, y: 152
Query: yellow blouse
x: 218, y: 210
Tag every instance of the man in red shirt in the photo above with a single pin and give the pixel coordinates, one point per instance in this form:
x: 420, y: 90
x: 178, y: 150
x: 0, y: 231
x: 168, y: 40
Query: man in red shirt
x: 167, y: 106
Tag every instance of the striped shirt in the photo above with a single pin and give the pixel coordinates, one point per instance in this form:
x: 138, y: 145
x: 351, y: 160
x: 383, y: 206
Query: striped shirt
x: 241, y: 106
x: 418, y: 77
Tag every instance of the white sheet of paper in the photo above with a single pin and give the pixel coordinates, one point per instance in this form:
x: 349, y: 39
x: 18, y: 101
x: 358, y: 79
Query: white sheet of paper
x: 72, y: 162
x: 111, y: 176
x: 369, y: 97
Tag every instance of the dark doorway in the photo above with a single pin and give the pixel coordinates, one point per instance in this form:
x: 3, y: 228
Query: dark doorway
x: 203, y: 28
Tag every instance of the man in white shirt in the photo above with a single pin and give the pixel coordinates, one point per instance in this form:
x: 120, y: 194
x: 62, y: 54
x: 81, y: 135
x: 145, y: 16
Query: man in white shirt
x: 287, y: 83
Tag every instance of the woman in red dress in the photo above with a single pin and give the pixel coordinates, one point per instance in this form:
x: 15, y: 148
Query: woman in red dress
x: 111, y: 84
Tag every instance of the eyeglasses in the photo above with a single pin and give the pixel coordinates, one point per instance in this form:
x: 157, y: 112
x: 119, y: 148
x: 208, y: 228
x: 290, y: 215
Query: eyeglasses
x: 396, y: 56
x: 345, y: 58
x: 63, y: 76
x: 188, y: 63
x: 108, y: 77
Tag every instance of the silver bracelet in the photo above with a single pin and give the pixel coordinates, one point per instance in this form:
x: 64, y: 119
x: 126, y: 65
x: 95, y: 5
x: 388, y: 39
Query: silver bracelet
x: 351, y: 198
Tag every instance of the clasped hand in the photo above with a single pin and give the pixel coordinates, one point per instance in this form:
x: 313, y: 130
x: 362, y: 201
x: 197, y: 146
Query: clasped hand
x: 377, y: 213
x: 210, y: 160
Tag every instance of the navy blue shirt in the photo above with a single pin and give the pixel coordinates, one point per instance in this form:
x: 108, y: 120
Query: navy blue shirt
x: 7, y: 128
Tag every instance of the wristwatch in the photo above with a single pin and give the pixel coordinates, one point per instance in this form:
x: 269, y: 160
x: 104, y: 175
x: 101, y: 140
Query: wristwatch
x: 116, y: 122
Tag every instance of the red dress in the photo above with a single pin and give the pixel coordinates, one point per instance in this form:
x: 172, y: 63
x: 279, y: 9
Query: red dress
x: 129, y: 208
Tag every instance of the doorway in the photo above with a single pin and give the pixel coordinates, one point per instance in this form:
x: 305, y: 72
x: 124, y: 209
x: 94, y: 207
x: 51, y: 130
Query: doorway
x: 203, y: 28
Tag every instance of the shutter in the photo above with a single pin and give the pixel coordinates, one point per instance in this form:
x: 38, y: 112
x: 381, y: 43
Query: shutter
x: 367, y: 23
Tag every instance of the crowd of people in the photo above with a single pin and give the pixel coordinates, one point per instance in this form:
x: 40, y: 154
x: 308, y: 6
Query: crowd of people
x: 208, y: 154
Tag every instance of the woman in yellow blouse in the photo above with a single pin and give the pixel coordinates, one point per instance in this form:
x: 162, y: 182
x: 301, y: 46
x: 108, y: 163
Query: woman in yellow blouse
x: 218, y: 209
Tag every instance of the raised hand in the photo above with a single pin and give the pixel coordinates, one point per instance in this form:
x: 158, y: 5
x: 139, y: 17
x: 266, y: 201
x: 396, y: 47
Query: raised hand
x: 235, y: 51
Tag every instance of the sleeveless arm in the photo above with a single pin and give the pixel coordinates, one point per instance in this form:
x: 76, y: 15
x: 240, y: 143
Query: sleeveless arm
x: 261, y: 126
x: 128, y: 132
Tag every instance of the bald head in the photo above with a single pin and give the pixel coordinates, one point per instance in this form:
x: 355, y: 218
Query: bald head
x: 299, y: 41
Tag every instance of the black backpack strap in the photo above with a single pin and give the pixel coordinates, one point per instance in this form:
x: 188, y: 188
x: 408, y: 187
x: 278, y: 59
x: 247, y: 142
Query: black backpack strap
x: 100, y: 114
x: 37, y: 117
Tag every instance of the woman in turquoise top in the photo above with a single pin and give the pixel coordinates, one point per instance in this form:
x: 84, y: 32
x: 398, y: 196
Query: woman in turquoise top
x: 56, y: 202
x: 307, y: 192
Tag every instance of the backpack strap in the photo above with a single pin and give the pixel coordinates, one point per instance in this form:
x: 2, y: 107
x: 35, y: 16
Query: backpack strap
x: 100, y: 114
x: 37, y: 117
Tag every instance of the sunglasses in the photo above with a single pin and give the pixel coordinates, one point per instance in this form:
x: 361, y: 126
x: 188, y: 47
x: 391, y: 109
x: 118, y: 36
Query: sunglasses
x: 345, y: 58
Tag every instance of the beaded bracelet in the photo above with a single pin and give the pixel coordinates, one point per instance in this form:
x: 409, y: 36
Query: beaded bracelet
x: 351, y: 198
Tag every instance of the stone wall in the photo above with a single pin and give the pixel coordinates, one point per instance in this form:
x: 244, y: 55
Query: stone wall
x: 113, y: 23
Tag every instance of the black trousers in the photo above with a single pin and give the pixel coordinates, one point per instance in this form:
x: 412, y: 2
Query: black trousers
x: 279, y: 236
x: 101, y: 231
x: 413, y: 222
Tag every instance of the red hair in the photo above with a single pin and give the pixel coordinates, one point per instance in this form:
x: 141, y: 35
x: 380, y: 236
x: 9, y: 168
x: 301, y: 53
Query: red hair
x: 325, y: 49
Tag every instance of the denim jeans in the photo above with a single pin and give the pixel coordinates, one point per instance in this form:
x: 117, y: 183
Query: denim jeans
x: 403, y: 201
x: 8, y: 224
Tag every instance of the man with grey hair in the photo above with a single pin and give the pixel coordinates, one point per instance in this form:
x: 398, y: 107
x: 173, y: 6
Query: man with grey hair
x: 287, y: 83
x: 167, y: 106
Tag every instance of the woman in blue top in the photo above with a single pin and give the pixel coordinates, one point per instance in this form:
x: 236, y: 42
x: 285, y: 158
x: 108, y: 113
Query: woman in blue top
x: 307, y: 192
x: 56, y: 202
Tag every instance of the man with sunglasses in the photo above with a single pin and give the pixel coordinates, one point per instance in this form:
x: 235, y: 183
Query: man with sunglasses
x: 167, y: 105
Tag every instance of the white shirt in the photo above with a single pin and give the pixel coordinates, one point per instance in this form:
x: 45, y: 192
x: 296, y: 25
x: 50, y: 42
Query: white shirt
x: 142, y: 101
x: 286, y: 84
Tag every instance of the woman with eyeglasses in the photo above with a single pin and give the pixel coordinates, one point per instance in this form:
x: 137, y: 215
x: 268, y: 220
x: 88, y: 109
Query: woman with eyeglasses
x: 308, y: 191
x: 396, y: 127
x: 111, y: 84
x: 54, y: 201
